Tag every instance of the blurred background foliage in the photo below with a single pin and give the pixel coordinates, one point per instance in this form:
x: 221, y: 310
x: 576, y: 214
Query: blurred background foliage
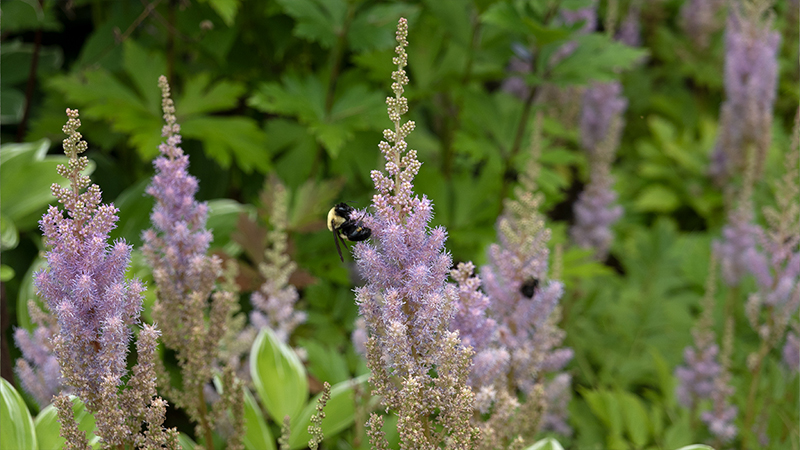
x: 296, y: 89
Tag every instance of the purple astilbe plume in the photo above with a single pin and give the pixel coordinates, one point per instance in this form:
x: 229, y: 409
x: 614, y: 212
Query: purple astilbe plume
x: 701, y: 367
x: 601, y: 126
x: 419, y: 367
x: 476, y: 329
x: 630, y: 30
x: 274, y: 303
x: 751, y: 76
x: 526, y: 320
x: 702, y: 18
x: 791, y: 351
x: 84, y: 285
x: 38, y: 369
x: 194, y: 312
x: 719, y: 419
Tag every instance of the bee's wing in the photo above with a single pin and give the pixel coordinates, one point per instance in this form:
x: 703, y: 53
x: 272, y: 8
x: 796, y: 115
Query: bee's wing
x: 336, y: 238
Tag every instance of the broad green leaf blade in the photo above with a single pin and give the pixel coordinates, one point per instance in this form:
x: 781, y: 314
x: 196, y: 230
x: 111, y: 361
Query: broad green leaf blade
x: 278, y: 376
x: 546, y: 444
x: 48, y: 429
x: 637, y: 421
x: 339, y: 412
x: 9, y: 236
x: 15, y: 420
x: 28, y: 292
x: 657, y: 198
x: 186, y: 442
x: 258, y: 435
x: 318, y: 21
x: 226, y: 9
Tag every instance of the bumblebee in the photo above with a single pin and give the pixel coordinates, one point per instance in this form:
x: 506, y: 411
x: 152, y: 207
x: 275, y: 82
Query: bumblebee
x: 345, y: 227
x: 529, y: 287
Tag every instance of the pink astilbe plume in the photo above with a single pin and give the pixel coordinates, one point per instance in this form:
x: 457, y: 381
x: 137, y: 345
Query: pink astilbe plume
x: 527, y: 324
x: 38, y: 369
x: 419, y: 367
x: 751, y: 79
x: 194, y: 312
x: 84, y: 285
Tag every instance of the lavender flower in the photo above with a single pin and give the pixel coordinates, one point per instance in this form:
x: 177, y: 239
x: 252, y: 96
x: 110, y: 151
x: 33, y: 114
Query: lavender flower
x: 700, y: 19
x: 84, y: 285
x: 527, y: 324
x: 273, y: 303
x: 751, y: 75
x: 419, y: 368
x: 476, y: 329
x: 720, y: 418
x: 176, y: 249
x: 696, y: 377
x: 630, y: 30
x: 601, y: 127
x: 38, y: 369
x: 737, y: 249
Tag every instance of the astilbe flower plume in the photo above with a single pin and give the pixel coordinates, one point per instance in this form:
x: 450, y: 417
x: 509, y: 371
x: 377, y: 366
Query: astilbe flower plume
x: 193, y: 311
x: 700, y: 19
x: 38, y: 369
x: 274, y: 303
x: 751, y: 76
x: 419, y: 367
x: 84, y: 285
x: 527, y: 325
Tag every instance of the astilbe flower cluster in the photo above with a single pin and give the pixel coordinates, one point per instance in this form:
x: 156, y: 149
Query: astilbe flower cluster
x: 38, y: 369
x: 195, y: 314
x: 705, y: 374
x: 751, y: 76
x: 274, y: 303
x: 419, y: 367
x: 84, y: 285
x: 527, y: 326
x: 702, y: 18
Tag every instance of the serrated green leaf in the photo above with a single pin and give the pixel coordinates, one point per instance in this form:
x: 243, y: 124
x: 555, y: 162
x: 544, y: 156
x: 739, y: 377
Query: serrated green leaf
x: 301, y: 98
x: 199, y: 95
x: 15, y: 420
x: 657, y: 198
x: 324, y: 362
x: 21, y: 16
x: 374, y: 28
x: 319, y: 21
x: 48, y: 428
x: 278, y: 376
x: 634, y: 414
x: 339, y: 412
x: 229, y: 138
x: 505, y: 16
x: 144, y: 67
x: 596, y: 58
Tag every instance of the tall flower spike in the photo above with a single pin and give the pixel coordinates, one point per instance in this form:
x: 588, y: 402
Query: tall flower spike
x: 176, y: 249
x: 84, y: 284
x: 751, y: 77
x: 526, y: 317
x: 419, y: 368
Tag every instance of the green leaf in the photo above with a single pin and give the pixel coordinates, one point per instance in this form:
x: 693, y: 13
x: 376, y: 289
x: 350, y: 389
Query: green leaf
x: 320, y: 21
x: 26, y: 174
x: 187, y: 443
x: 22, y: 16
x: 657, y: 198
x: 226, y: 9
x: 226, y: 138
x: 374, y: 28
x: 339, y: 412
x: 144, y: 67
x: 505, y: 16
x: 9, y: 236
x: 15, y: 420
x: 200, y: 96
x: 48, y: 428
x: 134, y: 213
x: 28, y: 292
x: 6, y: 273
x: 637, y: 423
x: 278, y: 376
x: 258, y: 435
x: 546, y: 444
x: 12, y: 103
x: 597, y: 58
x: 325, y: 362
x: 223, y: 215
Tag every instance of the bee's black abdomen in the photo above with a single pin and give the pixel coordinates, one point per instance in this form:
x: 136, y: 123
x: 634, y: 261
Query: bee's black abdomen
x: 528, y: 288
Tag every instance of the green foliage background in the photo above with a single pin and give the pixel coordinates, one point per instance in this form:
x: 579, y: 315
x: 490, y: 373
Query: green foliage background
x: 296, y: 88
